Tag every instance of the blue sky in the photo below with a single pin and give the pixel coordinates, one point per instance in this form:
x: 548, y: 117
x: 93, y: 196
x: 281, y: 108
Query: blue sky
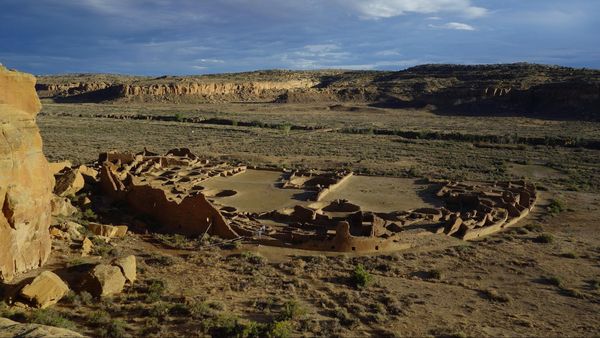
x: 155, y: 37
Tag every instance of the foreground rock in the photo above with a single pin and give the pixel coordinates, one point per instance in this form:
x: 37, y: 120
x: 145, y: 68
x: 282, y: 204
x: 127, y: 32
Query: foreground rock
x: 45, y: 290
x: 104, y: 280
x: 68, y: 182
x: 25, y: 178
x: 128, y: 267
x: 61, y: 206
x: 110, y: 231
x: 12, y: 329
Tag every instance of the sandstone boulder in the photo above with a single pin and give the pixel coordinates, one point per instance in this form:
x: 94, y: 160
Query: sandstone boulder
x: 73, y: 230
x: 56, y: 167
x: 110, y: 231
x: 61, y: 206
x: 104, y: 280
x: 90, y: 175
x: 86, y: 247
x: 25, y: 178
x: 12, y: 329
x: 68, y: 182
x: 128, y: 267
x: 45, y: 290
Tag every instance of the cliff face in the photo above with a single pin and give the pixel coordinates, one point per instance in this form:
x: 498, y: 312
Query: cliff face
x: 524, y: 89
x: 211, y: 92
x: 25, y: 179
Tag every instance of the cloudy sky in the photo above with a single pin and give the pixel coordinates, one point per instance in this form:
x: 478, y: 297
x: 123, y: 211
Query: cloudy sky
x: 156, y: 37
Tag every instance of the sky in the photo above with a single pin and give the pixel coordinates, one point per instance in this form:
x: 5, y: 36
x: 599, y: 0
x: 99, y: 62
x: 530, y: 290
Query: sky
x: 179, y: 37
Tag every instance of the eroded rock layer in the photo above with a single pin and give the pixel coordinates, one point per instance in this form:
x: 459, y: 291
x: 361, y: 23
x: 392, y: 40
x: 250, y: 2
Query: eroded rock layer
x: 25, y: 179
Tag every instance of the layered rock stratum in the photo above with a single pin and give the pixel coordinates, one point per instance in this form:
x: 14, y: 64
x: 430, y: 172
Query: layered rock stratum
x: 25, y: 179
x: 523, y: 89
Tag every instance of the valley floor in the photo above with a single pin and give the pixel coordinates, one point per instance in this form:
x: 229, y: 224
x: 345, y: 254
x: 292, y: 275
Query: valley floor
x: 541, y: 278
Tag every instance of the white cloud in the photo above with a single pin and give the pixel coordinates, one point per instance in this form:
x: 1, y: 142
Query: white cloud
x: 321, y: 48
x: 210, y: 61
x: 455, y: 26
x: 376, y: 9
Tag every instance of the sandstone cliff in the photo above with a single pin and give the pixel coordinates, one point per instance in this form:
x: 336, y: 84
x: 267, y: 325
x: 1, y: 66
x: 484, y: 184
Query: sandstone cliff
x: 25, y: 179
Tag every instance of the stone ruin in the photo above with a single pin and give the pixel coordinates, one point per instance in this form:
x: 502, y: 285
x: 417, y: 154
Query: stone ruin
x: 167, y: 188
x: 319, y: 182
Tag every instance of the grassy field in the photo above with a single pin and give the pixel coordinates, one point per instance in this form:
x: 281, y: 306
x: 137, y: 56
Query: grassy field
x: 72, y: 132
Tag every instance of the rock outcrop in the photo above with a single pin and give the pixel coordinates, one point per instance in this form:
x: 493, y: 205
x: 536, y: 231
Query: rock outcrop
x: 25, y: 178
x: 12, y: 329
x: 45, y: 290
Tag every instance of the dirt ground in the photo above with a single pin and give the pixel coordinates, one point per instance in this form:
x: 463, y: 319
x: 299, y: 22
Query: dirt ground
x: 540, y: 278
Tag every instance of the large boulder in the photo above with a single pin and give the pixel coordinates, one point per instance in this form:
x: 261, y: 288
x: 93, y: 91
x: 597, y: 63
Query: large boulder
x: 68, y: 182
x: 128, y: 267
x: 25, y: 178
x: 61, y: 206
x: 45, y: 290
x: 104, y: 280
x: 12, y: 329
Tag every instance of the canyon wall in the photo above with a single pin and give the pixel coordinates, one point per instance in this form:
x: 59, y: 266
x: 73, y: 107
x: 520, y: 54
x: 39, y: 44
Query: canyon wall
x: 25, y: 179
x: 522, y: 89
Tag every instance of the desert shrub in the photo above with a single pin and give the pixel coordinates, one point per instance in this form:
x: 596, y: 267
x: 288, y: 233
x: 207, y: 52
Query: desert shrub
x: 49, y: 317
x: 179, y: 309
x: 224, y: 326
x: 344, y: 317
x: 544, y: 238
x: 556, y: 207
x: 178, y: 117
x: 495, y: 296
x: 570, y: 255
x: 176, y: 241
x: 89, y: 215
x: 253, y: 258
x: 280, y: 329
x: 113, y: 329
x: 534, y: 227
x: 571, y: 292
x: 160, y: 260
x: 159, y: 310
x: 98, y: 318
x: 8, y: 312
x: 433, y: 274
x: 464, y: 249
x: 292, y: 310
x: 553, y: 280
x: 361, y: 278
x: 155, y: 290
x: 285, y: 128
x: 72, y: 298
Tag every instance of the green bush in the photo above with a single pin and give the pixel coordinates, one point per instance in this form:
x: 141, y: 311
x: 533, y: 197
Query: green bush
x: 155, y: 290
x: 556, y: 207
x: 50, y: 317
x: 292, y: 310
x: 361, y: 278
